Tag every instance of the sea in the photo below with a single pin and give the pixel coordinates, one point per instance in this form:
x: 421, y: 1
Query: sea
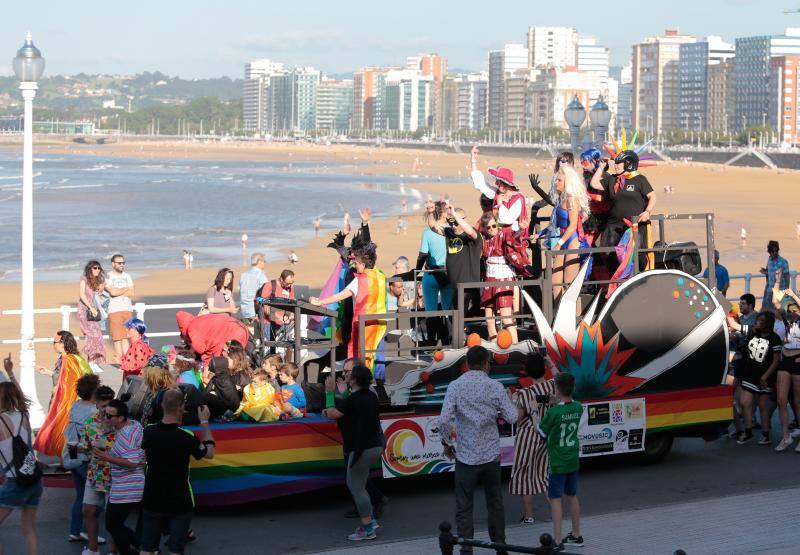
x: 90, y: 207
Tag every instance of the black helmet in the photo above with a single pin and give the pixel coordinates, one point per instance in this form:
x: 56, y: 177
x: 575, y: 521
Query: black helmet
x: 629, y: 159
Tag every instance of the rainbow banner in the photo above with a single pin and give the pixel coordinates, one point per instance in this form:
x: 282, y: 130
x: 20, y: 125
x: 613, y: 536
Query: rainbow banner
x: 691, y: 407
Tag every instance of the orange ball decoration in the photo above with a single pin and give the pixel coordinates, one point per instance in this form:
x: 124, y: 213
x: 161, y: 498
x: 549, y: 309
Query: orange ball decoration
x: 473, y: 340
x: 438, y: 356
x: 504, y: 339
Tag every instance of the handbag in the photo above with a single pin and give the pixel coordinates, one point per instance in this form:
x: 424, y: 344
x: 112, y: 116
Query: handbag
x: 89, y: 316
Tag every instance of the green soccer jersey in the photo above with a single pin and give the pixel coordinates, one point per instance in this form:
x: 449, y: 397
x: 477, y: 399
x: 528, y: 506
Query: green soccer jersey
x: 560, y: 427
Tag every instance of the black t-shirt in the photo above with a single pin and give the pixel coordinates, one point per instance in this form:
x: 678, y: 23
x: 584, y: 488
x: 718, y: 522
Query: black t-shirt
x: 759, y: 353
x: 629, y: 201
x: 463, y: 256
x: 360, y: 425
x: 166, y: 485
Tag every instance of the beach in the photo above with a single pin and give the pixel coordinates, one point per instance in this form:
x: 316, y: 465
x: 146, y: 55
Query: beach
x: 761, y: 200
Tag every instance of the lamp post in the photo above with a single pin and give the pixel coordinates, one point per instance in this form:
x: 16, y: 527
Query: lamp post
x: 574, y: 115
x: 600, y: 117
x: 28, y: 67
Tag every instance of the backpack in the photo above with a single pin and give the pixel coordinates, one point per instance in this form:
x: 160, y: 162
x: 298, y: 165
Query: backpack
x: 23, y: 460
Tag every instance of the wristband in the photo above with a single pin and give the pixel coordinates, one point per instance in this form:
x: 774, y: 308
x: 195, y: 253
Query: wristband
x: 330, y: 399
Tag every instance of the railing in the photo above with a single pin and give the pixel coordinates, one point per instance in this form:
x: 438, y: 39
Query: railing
x: 748, y: 281
x: 66, y: 311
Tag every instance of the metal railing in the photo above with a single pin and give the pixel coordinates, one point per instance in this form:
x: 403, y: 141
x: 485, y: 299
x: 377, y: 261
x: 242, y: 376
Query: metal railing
x: 748, y: 279
x: 139, y: 310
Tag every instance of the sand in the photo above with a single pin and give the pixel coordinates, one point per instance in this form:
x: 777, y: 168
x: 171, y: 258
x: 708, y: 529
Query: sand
x: 761, y: 200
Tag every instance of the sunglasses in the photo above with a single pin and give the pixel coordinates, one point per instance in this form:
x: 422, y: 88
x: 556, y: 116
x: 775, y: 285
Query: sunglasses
x: 492, y: 226
x: 119, y: 262
x: 109, y: 415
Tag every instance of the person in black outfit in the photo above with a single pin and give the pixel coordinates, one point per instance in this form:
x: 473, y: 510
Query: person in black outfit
x: 363, y: 441
x: 168, y: 501
x: 632, y: 201
x: 464, y: 250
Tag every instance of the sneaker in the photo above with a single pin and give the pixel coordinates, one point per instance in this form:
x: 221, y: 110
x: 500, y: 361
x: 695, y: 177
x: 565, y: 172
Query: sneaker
x: 72, y: 538
x: 744, y: 438
x: 764, y: 440
x: 100, y: 539
x: 361, y: 533
x: 86, y: 551
x: 734, y: 435
x: 573, y: 541
x: 526, y: 520
x: 375, y: 524
x: 558, y: 547
x: 783, y: 445
x: 795, y: 433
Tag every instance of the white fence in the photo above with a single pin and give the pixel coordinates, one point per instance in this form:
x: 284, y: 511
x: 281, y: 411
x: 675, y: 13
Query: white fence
x: 139, y: 310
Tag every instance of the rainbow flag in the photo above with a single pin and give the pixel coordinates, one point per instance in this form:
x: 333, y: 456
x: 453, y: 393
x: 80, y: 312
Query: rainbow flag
x: 624, y: 251
x: 690, y: 407
x: 371, y: 299
x: 322, y: 324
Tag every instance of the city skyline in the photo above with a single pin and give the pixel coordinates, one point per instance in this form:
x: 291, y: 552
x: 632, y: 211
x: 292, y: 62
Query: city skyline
x: 200, y: 41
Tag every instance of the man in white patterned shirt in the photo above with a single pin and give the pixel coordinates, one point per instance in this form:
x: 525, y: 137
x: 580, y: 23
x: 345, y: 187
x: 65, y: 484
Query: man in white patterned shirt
x: 473, y: 402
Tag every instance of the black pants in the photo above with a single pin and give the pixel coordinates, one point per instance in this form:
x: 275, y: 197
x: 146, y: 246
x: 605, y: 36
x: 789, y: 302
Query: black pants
x: 126, y: 540
x: 176, y: 526
x: 467, y: 478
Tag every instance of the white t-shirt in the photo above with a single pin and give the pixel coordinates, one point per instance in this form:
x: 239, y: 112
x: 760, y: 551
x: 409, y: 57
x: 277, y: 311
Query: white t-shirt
x: 120, y: 281
x: 353, y: 286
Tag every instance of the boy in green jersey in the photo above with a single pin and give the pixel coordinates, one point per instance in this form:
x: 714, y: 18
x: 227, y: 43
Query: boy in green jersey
x: 560, y: 428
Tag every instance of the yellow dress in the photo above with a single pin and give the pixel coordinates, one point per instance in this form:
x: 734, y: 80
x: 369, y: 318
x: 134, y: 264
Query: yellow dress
x: 258, y: 403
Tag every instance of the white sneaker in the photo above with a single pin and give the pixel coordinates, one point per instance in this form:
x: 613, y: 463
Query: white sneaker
x: 795, y: 433
x: 87, y: 552
x: 783, y: 445
x: 100, y: 539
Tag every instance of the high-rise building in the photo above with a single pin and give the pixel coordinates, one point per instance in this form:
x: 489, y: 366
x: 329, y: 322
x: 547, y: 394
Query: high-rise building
x: 334, y: 105
x: 554, y: 88
x: 655, y: 85
x: 552, y: 46
x: 502, y: 63
x: 406, y: 100
x: 592, y: 57
x: 720, y: 97
x: 516, y: 115
x: 751, y: 71
x: 473, y: 92
x: 307, y: 81
x: 622, y: 117
x: 281, y: 102
x: 364, y: 91
x: 449, y: 104
x: 694, y: 62
x: 435, y: 66
x: 784, y: 87
x: 254, y: 94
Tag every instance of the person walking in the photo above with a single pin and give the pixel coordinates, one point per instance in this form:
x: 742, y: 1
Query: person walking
x: 249, y: 283
x: 168, y: 500
x: 470, y: 410
x: 119, y: 285
x: 92, y: 282
x: 529, y: 473
x: 363, y: 441
x: 15, y: 422
x: 126, y: 459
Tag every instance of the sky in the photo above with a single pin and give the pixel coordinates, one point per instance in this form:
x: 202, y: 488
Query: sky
x: 204, y: 38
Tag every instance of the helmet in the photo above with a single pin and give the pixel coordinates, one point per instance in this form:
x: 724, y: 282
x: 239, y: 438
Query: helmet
x: 629, y: 159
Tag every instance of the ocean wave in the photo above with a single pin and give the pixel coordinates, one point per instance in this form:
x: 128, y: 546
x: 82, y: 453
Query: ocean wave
x: 9, y: 197
x: 91, y: 186
x: 98, y: 167
x: 37, y: 174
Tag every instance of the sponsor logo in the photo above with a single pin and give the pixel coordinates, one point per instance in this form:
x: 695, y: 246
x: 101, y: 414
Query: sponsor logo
x: 598, y: 414
x: 432, y: 429
x: 621, y: 441
x: 636, y: 439
x: 634, y: 409
x: 595, y: 448
x: 604, y: 434
x: 617, y: 415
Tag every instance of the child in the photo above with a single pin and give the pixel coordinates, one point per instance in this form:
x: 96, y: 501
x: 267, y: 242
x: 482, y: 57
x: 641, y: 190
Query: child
x: 259, y: 402
x: 560, y: 428
x: 294, y: 399
x: 271, y: 365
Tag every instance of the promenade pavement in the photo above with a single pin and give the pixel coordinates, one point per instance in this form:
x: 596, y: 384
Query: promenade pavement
x: 762, y: 522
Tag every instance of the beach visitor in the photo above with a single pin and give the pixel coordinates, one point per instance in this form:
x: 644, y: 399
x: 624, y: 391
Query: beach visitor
x: 126, y: 459
x: 788, y: 384
x: 362, y: 440
x: 404, y: 205
x: 399, y: 226
x: 758, y: 376
x: 432, y: 257
x: 777, y: 272
x: 291, y: 392
x: 463, y: 262
x: 139, y: 352
x: 219, y: 297
x: 317, y: 225
x: 78, y: 463
x: 560, y: 428
x: 293, y: 258
x: 18, y: 493
x: 743, y: 236
x: 97, y: 432
x: 119, y: 285
x: 244, y: 241
x: 469, y: 413
x: 92, y: 282
x: 721, y: 273
x: 69, y: 367
x: 168, y: 500
x: 249, y: 283
x: 529, y: 473
x: 185, y: 259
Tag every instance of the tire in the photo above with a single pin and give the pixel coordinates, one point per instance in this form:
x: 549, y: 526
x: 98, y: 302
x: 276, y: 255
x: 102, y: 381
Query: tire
x: 656, y: 448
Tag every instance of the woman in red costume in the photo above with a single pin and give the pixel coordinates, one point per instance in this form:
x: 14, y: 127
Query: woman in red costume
x: 70, y: 366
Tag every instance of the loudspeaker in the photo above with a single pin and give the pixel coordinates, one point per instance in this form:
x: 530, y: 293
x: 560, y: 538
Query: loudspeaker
x: 684, y: 257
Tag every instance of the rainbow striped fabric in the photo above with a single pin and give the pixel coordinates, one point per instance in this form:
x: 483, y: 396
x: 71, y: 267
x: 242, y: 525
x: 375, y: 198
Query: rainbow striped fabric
x: 371, y: 299
x: 689, y: 408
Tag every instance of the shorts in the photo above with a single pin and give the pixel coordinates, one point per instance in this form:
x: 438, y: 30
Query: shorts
x: 14, y: 496
x: 116, y: 325
x: 155, y: 524
x: 562, y: 484
x: 93, y: 497
x: 790, y: 365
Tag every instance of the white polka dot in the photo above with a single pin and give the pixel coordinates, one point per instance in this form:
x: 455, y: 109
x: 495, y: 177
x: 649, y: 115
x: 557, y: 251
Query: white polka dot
x: 691, y: 303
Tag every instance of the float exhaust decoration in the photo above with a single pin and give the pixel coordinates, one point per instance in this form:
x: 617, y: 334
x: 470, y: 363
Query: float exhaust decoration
x: 659, y: 331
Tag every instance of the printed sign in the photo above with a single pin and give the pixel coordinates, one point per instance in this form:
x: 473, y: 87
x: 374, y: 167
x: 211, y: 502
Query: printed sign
x: 612, y: 427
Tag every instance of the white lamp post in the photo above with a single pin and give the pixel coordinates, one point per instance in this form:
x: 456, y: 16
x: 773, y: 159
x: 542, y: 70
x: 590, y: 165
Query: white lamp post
x: 575, y: 114
x: 28, y: 67
x: 600, y: 117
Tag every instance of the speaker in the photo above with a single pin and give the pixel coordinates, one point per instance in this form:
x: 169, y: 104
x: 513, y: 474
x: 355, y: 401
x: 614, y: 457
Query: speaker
x: 683, y: 256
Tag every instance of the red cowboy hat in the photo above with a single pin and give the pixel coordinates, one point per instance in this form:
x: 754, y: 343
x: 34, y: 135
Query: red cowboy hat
x: 505, y: 175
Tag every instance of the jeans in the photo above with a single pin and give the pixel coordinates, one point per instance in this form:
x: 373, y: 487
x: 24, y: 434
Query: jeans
x: 154, y: 524
x: 124, y: 538
x: 467, y: 477
x: 79, y: 480
x: 357, y: 475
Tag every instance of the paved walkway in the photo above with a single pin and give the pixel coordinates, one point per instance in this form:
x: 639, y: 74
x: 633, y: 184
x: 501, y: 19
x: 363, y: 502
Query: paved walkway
x: 763, y: 522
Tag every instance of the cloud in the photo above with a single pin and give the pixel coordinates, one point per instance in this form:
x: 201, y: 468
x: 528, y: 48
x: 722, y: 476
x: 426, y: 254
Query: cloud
x: 307, y: 41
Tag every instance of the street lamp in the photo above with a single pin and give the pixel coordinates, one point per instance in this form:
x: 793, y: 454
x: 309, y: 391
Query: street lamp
x: 600, y: 117
x: 575, y: 114
x: 28, y: 67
